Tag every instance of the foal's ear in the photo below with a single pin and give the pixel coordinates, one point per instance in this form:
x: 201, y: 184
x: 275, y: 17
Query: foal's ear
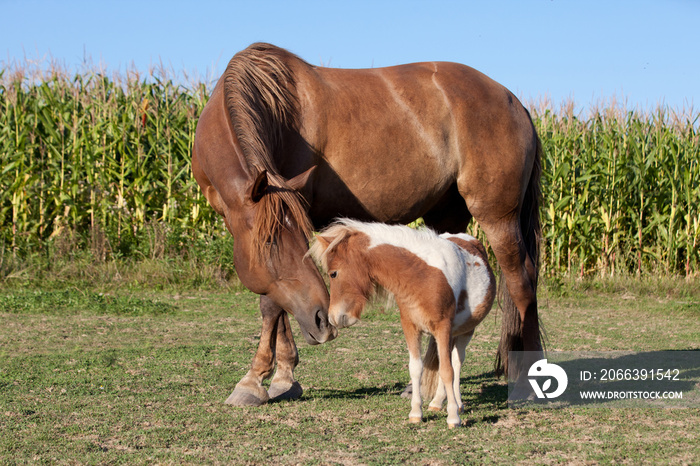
x: 300, y: 183
x: 323, y: 242
x: 259, y: 187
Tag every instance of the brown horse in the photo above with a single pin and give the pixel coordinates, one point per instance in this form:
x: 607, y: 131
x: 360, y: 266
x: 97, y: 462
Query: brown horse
x: 443, y: 285
x: 283, y: 147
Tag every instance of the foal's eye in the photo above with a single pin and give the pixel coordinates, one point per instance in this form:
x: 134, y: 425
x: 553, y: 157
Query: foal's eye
x: 333, y: 274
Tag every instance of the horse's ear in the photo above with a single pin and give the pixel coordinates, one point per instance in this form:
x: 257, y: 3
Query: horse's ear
x: 259, y: 187
x: 299, y: 182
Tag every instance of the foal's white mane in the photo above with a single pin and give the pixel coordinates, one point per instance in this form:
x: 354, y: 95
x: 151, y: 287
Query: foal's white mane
x: 378, y: 233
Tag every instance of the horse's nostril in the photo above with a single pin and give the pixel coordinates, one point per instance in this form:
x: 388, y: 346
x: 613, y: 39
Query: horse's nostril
x: 319, y: 320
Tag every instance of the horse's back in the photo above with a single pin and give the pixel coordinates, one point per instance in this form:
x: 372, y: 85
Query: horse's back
x: 427, y: 126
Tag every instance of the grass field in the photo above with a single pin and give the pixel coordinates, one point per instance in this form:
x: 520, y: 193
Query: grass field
x: 94, y: 375
x: 114, y: 349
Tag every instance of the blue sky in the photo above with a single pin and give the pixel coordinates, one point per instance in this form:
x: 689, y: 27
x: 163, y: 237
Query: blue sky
x: 641, y: 52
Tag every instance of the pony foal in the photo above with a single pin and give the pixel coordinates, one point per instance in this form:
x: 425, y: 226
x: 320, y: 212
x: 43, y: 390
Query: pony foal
x: 443, y: 286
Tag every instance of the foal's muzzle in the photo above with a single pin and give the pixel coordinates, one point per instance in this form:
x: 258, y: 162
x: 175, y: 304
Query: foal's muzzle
x: 342, y: 320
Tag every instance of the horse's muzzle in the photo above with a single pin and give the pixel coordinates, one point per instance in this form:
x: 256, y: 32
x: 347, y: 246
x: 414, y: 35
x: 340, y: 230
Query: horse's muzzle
x: 323, y: 332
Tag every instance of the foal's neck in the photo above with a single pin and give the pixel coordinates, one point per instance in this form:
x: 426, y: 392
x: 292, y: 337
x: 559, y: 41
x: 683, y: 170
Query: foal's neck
x: 397, y: 269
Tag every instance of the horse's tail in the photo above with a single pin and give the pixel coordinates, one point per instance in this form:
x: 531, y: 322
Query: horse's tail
x: 531, y: 230
x: 431, y: 364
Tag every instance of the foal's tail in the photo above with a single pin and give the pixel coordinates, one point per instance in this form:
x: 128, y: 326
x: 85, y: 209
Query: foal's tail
x: 531, y: 230
x: 430, y: 378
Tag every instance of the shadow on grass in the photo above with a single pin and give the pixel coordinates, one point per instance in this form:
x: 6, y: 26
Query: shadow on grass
x: 359, y: 393
x: 483, y: 388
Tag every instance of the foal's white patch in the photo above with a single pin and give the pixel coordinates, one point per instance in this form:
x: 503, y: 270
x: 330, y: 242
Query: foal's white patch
x: 463, y: 270
x: 477, y: 281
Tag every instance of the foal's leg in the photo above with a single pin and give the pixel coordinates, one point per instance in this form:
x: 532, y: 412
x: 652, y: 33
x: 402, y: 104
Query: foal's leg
x: 283, y: 385
x: 459, y: 345
x: 249, y: 391
x: 444, y: 345
x: 415, y: 367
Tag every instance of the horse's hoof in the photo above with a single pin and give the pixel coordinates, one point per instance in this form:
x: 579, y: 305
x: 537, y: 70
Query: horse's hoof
x: 247, y: 396
x: 285, y: 391
x: 408, y: 391
x: 434, y: 408
x: 415, y: 420
x: 522, y: 392
x: 451, y: 425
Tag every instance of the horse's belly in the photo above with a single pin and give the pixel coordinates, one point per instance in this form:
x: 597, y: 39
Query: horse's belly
x: 396, y: 191
x: 388, y: 174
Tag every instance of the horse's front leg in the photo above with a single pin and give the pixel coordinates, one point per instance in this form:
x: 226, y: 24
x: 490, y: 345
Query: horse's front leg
x: 283, y: 385
x: 249, y: 391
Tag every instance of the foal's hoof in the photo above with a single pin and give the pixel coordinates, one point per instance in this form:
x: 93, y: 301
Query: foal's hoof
x: 285, y: 391
x: 248, y: 396
x: 451, y: 425
x: 415, y: 420
x: 434, y: 408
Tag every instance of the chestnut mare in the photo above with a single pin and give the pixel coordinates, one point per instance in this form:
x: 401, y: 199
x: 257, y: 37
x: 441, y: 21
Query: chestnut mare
x: 283, y: 147
x: 443, y: 286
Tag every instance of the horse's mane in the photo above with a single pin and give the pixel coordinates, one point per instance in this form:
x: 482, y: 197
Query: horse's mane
x: 260, y: 94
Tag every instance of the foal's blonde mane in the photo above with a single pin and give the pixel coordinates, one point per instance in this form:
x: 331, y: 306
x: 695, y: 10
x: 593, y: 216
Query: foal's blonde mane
x: 336, y: 232
x: 329, y: 240
x: 342, y: 228
x: 260, y: 95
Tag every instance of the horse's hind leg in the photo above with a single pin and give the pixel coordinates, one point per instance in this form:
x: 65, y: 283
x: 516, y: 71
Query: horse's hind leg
x: 283, y: 385
x: 249, y: 391
x: 521, y: 326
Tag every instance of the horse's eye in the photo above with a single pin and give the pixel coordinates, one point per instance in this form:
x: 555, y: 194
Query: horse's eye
x: 333, y: 274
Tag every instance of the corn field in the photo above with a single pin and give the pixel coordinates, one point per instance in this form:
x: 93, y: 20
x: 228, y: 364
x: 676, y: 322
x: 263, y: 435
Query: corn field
x: 102, y: 160
x: 620, y: 191
x: 96, y: 157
